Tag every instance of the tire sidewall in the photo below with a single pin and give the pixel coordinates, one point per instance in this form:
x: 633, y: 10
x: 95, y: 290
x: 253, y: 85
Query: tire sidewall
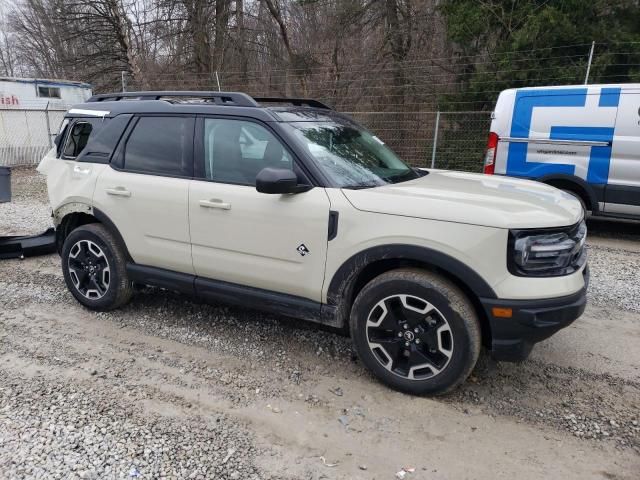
x: 114, y: 276
x: 462, y: 345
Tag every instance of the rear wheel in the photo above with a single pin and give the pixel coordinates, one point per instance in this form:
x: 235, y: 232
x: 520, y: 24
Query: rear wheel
x: 94, y: 268
x: 416, y: 331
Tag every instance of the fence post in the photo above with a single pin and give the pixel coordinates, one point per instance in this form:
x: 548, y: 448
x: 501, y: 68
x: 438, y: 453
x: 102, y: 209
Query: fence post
x: 586, y: 78
x: 123, y: 80
x: 46, y: 116
x: 435, y: 140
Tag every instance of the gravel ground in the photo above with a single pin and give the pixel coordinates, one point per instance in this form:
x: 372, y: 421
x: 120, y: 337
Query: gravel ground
x: 169, y: 388
x: 28, y: 212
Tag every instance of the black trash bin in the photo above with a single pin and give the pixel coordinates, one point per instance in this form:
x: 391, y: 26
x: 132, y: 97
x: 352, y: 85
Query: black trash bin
x: 5, y: 184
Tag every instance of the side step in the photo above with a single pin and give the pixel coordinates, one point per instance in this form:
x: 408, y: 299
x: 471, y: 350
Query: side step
x: 28, y: 245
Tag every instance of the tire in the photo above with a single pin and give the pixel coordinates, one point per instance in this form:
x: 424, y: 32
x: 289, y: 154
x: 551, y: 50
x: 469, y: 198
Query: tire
x: 92, y: 251
x: 416, y: 331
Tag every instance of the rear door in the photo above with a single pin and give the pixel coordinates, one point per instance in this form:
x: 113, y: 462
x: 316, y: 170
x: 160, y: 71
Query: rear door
x: 145, y: 191
x: 622, y: 194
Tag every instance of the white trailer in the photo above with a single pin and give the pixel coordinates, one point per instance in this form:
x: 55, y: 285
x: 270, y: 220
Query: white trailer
x: 31, y: 110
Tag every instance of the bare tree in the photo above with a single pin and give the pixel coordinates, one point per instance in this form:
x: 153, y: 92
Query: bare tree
x: 197, y: 15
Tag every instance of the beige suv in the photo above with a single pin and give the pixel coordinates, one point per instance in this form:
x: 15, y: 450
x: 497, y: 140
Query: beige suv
x: 287, y: 206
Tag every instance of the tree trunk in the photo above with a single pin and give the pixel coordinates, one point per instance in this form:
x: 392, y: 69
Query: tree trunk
x: 275, y: 12
x: 396, y: 42
x: 123, y: 31
x: 221, y: 25
x: 197, y: 25
x: 242, y: 40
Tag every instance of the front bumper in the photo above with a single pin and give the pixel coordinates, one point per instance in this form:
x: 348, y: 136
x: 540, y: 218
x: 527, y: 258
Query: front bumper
x: 28, y: 245
x: 531, y: 321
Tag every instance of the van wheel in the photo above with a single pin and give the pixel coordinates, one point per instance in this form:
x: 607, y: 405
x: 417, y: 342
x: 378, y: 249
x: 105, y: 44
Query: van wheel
x: 94, y: 268
x: 416, y: 331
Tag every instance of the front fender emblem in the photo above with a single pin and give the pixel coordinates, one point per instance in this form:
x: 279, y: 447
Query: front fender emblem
x: 302, y: 249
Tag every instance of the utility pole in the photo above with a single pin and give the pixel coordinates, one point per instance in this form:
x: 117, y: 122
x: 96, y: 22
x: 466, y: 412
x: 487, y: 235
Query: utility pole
x: 586, y: 78
x: 435, y: 140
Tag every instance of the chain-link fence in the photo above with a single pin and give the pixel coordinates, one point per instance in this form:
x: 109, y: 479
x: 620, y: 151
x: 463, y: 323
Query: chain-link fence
x: 27, y: 134
x: 447, y: 140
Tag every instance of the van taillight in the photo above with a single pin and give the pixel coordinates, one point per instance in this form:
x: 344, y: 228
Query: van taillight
x: 490, y: 155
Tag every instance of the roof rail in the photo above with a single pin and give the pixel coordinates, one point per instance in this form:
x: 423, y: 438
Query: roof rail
x: 298, y: 102
x: 220, y: 98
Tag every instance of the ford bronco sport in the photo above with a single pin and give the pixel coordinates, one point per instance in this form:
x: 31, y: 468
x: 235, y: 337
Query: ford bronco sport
x: 287, y: 206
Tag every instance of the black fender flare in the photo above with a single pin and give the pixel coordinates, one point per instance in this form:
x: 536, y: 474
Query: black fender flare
x: 100, y: 216
x: 343, y: 281
x: 581, y: 183
x: 107, y: 222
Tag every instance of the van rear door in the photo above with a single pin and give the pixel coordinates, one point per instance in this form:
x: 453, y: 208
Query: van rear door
x: 622, y: 193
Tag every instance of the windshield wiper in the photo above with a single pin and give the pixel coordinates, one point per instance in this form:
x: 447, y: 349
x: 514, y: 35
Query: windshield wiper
x: 361, y: 186
x: 410, y: 174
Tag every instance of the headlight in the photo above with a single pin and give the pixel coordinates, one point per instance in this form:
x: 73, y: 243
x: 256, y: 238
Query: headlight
x: 547, y: 252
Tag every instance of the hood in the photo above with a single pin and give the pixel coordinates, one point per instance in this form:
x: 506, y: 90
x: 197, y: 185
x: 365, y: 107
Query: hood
x: 487, y: 200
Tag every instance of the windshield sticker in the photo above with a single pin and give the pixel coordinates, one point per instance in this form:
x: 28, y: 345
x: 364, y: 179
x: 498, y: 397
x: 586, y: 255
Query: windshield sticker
x: 378, y: 140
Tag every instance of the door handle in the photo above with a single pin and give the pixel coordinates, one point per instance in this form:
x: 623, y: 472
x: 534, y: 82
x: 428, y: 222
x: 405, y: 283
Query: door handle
x: 215, y: 203
x: 118, y: 192
x: 80, y: 170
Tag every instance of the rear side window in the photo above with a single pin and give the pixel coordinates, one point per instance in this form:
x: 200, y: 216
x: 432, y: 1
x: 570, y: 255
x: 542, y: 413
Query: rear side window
x: 161, y: 146
x: 77, y: 139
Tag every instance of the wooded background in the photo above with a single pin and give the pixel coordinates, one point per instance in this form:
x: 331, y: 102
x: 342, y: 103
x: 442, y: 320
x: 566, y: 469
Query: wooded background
x: 392, y: 62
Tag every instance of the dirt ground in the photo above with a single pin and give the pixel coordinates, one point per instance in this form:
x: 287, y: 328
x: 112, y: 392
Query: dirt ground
x: 169, y: 388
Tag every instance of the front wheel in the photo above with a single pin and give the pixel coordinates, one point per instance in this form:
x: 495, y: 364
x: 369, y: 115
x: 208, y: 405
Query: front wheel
x: 416, y: 331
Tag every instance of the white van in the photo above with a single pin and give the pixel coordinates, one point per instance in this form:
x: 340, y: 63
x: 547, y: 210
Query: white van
x: 582, y: 139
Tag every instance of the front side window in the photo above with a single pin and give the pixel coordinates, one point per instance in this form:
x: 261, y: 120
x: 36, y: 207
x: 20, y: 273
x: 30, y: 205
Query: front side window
x: 160, y: 145
x: 349, y: 155
x: 77, y: 139
x: 235, y: 151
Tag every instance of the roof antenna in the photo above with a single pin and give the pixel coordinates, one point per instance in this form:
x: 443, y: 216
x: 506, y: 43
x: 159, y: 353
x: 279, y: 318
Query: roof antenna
x: 218, y: 80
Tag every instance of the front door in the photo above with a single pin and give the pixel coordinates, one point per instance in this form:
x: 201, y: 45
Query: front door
x: 241, y: 236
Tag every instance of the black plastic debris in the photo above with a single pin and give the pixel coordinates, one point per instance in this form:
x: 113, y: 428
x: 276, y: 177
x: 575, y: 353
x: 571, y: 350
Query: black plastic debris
x: 5, y: 184
x: 28, y: 245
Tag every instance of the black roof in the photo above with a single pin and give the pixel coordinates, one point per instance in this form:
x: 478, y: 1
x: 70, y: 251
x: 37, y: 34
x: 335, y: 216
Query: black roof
x: 197, y: 102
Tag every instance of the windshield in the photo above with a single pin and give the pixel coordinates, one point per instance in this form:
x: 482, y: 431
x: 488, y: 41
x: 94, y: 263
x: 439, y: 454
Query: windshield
x: 351, y: 156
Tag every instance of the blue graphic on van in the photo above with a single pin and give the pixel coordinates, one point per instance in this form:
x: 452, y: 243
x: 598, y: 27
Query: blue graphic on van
x: 599, y: 159
x: 609, y: 97
x: 527, y: 100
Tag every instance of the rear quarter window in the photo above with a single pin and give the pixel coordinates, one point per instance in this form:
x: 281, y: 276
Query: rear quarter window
x: 104, y: 139
x: 78, y: 134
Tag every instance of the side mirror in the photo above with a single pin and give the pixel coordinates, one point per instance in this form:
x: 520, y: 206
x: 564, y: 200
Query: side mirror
x: 278, y: 180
